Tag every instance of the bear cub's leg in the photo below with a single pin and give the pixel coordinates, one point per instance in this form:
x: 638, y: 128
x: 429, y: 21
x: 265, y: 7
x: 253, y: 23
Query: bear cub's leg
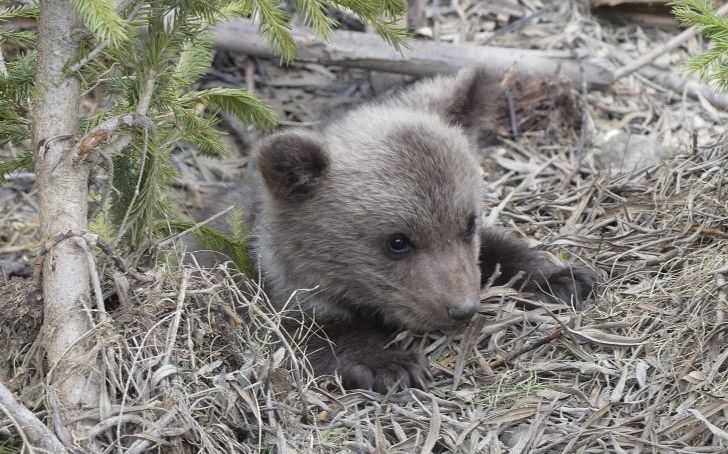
x: 548, y: 281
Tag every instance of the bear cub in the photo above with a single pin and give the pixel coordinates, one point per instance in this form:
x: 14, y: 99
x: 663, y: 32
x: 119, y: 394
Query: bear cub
x: 380, y: 213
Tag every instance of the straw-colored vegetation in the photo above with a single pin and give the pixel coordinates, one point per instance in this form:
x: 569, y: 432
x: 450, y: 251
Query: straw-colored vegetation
x: 196, y: 360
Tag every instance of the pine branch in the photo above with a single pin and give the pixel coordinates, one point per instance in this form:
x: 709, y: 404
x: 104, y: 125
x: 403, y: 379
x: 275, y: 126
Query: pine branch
x: 13, y: 127
x: 17, y: 84
x: 195, y: 59
x: 710, y: 65
x: 234, y: 101
x: 11, y: 132
x: 396, y: 37
x: 101, y: 18
x: 11, y: 12
x: 23, y: 38
x: 22, y: 162
x: 234, y: 245
x: 201, y: 132
x: 314, y: 16
x: 274, y: 24
x: 382, y: 15
x: 236, y: 8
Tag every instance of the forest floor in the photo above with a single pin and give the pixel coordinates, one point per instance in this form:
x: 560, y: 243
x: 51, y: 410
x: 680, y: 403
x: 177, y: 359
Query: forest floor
x: 195, y: 356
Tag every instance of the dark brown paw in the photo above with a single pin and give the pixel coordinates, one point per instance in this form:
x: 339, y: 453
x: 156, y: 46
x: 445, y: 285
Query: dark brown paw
x: 355, y: 350
x: 380, y: 371
x: 568, y: 284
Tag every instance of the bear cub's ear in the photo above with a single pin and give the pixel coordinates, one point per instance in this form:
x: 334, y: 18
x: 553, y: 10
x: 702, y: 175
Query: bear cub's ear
x: 292, y: 164
x: 472, y: 99
x: 468, y: 99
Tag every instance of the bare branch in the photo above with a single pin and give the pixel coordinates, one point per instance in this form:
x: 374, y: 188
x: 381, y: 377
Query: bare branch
x: 666, y: 79
x: 101, y: 134
x: 145, y: 99
x: 671, y: 44
x: 31, y: 429
x: 558, y: 334
x: 3, y: 67
x: 170, y: 239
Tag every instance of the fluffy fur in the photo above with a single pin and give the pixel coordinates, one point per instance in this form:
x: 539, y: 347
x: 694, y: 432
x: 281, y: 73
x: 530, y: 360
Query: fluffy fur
x: 332, y: 201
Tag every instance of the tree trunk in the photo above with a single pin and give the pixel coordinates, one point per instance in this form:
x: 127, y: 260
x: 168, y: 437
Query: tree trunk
x: 62, y: 190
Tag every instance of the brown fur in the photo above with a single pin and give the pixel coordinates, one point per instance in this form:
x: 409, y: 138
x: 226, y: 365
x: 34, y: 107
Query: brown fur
x: 333, y: 199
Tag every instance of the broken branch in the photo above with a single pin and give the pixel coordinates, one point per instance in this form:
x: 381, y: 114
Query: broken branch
x: 558, y: 334
x: 31, y: 429
x: 671, y: 44
x: 428, y: 58
x: 101, y: 134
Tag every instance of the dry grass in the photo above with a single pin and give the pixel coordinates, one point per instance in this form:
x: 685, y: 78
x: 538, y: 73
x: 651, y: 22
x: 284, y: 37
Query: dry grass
x: 193, y: 361
x: 196, y: 360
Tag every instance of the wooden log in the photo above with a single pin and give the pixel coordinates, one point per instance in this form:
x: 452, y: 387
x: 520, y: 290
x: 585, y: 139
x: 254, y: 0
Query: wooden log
x: 427, y: 58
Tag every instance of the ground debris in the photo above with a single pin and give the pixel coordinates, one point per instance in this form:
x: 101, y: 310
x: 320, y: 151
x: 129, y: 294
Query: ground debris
x: 642, y: 368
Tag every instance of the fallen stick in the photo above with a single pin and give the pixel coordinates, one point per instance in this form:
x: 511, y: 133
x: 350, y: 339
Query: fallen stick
x: 34, y: 433
x: 671, y: 44
x: 427, y: 58
x: 558, y: 334
x: 674, y: 83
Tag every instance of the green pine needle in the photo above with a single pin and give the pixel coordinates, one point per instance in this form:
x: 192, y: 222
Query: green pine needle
x: 207, y: 10
x: 195, y: 59
x: 22, y: 162
x: 397, y: 37
x: 17, y: 85
x: 201, y: 132
x: 100, y: 17
x: 237, y: 102
x: 274, y: 23
x: 22, y: 37
x: 234, y: 245
x: 11, y: 119
x: 11, y: 132
x: 314, y: 16
x: 11, y: 12
x: 395, y: 8
x: 711, y: 64
x: 382, y: 15
x: 236, y: 8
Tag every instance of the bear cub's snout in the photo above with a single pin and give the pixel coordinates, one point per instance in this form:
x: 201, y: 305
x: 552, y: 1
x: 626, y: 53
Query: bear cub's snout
x: 463, y: 311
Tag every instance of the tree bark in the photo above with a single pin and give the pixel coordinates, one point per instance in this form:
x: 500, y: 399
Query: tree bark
x: 427, y: 58
x: 62, y: 192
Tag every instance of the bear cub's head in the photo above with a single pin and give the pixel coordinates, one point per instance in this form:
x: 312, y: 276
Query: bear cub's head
x: 381, y: 209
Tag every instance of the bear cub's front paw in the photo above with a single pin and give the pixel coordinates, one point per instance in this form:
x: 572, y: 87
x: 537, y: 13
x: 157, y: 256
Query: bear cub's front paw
x: 561, y: 285
x: 380, y: 370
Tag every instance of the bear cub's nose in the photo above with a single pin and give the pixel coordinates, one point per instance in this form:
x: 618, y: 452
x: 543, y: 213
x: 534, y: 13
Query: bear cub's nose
x: 463, y: 311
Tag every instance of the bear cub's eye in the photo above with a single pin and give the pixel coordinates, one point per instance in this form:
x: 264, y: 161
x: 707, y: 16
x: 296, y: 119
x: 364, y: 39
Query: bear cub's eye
x: 472, y: 224
x: 398, y: 244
